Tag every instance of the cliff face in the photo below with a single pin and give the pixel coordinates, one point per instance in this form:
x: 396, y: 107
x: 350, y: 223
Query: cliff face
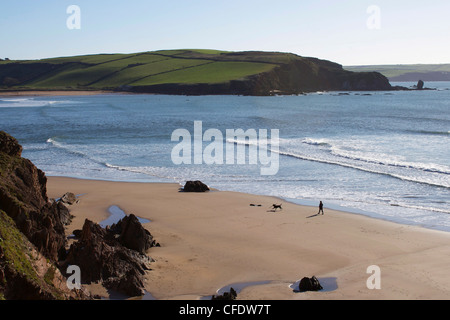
x: 32, y: 235
x: 310, y: 74
x: 23, y: 196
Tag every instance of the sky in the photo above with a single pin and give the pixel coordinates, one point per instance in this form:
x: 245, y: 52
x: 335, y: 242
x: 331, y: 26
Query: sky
x: 349, y: 32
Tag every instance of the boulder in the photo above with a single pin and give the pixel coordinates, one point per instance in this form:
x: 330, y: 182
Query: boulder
x: 309, y: 284
x: 68, y: 198
x: 195, y: 186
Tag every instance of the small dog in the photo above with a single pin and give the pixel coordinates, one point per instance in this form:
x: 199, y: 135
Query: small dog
x: 277, y: 206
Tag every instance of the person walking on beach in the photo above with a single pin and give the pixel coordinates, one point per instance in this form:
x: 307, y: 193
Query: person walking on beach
x: 320, y: 208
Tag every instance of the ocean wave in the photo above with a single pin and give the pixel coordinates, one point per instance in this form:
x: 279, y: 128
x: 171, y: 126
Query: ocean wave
x: 325, y: 151
x: 32, y: 102
x: 377, y: 170
x: 371, y: 158
x: 15, y: 99
x: 74, y: 150
x: 20, y: 103
x: 158, y: 172
x: 182, y: 174
x: 421, y: 208
x: 317, y: 142
x: 385, y: 160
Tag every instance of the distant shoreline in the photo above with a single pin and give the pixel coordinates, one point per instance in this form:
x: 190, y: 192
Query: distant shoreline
x: 39, y: 93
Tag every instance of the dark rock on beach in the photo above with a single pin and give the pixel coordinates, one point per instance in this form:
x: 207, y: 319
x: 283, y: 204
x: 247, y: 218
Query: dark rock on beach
x: 309, y: 284
x: 231, y: 295
x: 195, y: 186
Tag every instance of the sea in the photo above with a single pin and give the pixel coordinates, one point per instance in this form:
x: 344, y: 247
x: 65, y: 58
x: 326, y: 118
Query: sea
x: 381, y: 154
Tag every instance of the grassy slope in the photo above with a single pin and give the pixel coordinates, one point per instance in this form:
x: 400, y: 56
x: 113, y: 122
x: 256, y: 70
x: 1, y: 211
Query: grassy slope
x: 108, y: 71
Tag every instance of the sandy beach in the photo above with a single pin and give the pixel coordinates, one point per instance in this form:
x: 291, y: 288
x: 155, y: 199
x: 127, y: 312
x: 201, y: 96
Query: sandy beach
x: 214, y: 239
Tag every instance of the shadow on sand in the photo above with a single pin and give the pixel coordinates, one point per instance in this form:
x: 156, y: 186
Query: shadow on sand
x: 314, y: 215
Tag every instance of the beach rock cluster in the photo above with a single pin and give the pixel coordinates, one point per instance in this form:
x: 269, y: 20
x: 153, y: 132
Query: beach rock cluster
x: 195, y: 186
x: 32, y: 237
x: 309, y: 284
x: 33, y: 245
x: 115, y: 256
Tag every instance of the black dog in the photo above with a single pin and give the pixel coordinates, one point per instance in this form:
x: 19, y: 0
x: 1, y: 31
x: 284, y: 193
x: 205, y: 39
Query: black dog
x: 277, y: 206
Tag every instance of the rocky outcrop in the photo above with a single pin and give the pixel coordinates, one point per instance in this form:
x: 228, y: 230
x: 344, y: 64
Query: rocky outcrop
x: 309, y: 284
x: 32, y: 237
x: 114, y: 256
x: 195, y: 186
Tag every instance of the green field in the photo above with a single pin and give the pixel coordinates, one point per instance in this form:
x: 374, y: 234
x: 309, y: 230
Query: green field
x: 110, y: 71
